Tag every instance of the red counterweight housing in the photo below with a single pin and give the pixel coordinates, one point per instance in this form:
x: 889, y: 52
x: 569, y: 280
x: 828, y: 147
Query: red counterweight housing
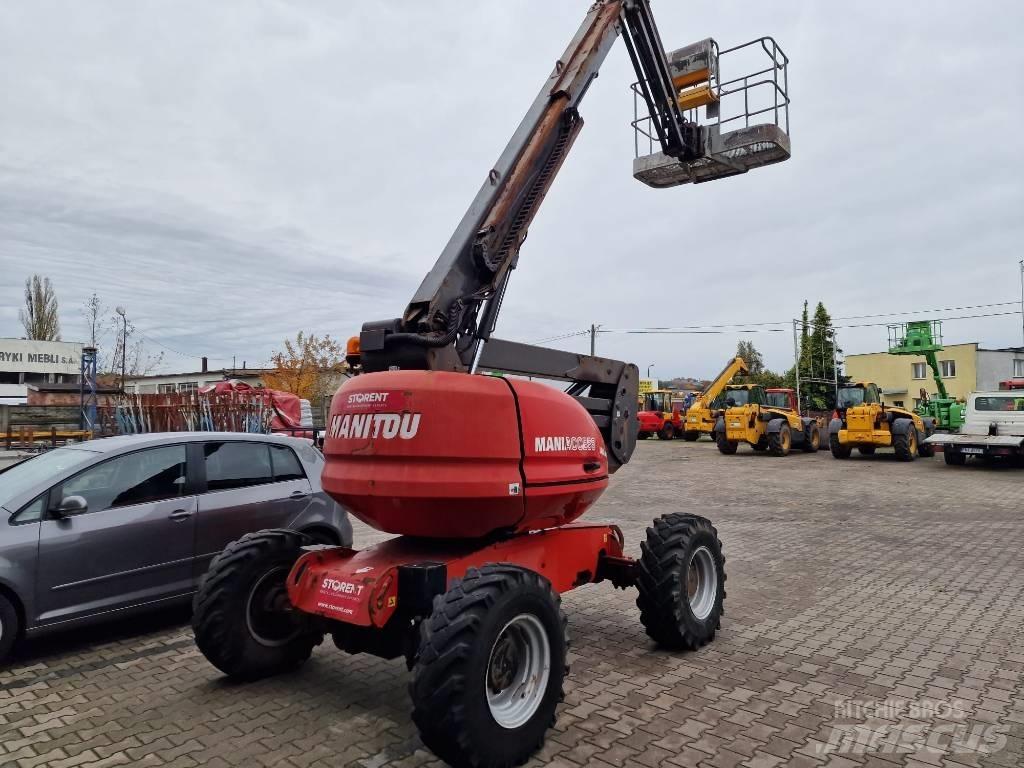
x: 450, y: 455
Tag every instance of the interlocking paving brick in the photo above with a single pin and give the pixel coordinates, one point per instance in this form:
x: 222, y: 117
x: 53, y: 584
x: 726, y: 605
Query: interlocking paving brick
x: 851, y: 584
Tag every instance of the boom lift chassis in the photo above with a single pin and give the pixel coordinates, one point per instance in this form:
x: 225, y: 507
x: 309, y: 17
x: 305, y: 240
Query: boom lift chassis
x: 483, y: 477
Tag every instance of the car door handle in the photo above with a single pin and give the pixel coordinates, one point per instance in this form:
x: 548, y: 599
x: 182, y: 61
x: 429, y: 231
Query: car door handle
x: 179, y: 514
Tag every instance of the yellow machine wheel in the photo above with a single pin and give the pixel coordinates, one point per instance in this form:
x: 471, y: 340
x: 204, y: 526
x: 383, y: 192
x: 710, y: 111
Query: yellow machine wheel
x: 839, y: 451
x: 905, y: 444
x: 780, y: 442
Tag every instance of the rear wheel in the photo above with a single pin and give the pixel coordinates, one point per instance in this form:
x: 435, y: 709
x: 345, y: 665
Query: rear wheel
x: 780, y: 442
x: 725, y: 445
x: 953, y: 457
x: 681, y: 581
x: 905, y: 444
x: 839, y: 451
x: 925, y: 450
x: 667, y: 432
x: 866, y: 450
x: 9, y: 626
x: 243, y: 622
x: 812, y: 439
x: 490, y: 667
x: 691, y: 435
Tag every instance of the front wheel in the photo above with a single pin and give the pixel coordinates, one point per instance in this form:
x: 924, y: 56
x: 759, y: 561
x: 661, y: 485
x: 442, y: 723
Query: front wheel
x: 780, y: 442
x: 905, y: 444
x: 725, y: 445
x: 9, y: 627
x: 812, y: 439
x: 839, y: 451
x: 243, y: 621
x: 681, y: 581
x: 953, y: 457
x: 691, y: 435
x: 490, y: 667
x: 667, y: 432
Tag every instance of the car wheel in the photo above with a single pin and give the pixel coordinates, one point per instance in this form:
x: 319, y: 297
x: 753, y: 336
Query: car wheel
x: 9, y: 626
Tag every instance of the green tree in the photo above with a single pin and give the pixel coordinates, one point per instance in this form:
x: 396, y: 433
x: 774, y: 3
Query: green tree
x: 819, y: 357
x: 753, y: 358
x: 39, y: 317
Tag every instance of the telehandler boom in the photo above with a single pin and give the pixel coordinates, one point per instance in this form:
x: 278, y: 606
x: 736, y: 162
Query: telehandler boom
x: 700, y: 416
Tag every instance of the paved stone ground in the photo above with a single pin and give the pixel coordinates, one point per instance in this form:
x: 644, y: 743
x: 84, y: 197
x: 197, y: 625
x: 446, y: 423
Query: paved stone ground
x: 875, y: 616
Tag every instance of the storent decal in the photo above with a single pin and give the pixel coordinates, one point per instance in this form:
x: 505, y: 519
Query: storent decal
x: 581, y: 443
x: 385, y: 426
x: 360, y: 398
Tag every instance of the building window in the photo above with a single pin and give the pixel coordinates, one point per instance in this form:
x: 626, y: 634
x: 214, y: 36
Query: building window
x: 1018, y: 369
x: 165, y: 389
x: 129, y: 389
x: 188, y: 386
x: 947, y: 368
x: 919, y: 371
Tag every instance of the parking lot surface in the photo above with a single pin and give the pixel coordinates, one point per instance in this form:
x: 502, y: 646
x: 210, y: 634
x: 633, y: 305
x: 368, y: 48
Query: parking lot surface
x: 875, y: 616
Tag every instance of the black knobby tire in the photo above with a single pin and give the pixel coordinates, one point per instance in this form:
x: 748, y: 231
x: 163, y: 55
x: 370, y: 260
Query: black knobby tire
x: 812, y: 439
x: 866, y: 450
x: 725, y: 445
x: 780, y: 442
x: 760, y: 445
x: 953, y: 457
x: 905, y: 444
x: 10, y: 626
x: 839, y: 451
x: 455, y: 666
x: 642, y: 435
x: 668, y: 595
x: 241, y: 619
x: 691, y: 435
x: 667, y: 432
x: 925, y: 450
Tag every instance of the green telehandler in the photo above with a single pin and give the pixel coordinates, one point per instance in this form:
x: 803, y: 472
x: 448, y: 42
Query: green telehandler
x: 924, y: 338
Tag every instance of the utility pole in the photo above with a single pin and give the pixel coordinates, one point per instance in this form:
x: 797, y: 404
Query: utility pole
x: 593, y: 337
x: 1021, y: 262
x: 124, y: 344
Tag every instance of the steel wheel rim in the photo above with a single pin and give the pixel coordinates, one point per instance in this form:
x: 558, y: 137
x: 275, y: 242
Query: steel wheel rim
x: 702, y: 583
x: 518, y: 669
x: 785, y: 440
x: 267, y: 615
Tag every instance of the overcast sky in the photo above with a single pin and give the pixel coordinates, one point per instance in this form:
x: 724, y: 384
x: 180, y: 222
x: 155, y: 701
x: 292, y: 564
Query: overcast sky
x: 233, y: 172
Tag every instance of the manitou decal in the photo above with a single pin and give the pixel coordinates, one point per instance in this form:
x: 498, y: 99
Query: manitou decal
x: 385, y: 426
x: 581, y: 443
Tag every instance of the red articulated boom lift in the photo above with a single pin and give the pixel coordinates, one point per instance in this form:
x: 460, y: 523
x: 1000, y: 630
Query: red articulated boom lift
x: 484, y: 477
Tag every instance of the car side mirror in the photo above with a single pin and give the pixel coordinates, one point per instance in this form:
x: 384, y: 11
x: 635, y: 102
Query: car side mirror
x: 70, y: 505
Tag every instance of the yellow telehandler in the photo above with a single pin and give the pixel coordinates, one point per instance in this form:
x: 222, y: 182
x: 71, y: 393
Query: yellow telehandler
x: 749, y: 419
x: 863, y: 422
x: 700, y: 416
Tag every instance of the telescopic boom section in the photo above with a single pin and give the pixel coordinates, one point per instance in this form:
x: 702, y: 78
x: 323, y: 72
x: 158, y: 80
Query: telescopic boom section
x: 456, y: 306
x: 448, y: 324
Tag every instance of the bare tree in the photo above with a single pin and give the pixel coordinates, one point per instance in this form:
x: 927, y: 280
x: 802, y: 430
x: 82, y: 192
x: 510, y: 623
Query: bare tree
x: 39, y: 317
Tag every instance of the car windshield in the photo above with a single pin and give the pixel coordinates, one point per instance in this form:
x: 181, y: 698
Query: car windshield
x: 737, y: 397
x: 1001, y: 403
x: 778, y: 399
x: 851, y: 396
x: 37, y: 471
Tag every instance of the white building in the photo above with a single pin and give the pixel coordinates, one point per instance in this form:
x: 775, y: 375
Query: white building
x: 191, y: 381
x: 27, y: 361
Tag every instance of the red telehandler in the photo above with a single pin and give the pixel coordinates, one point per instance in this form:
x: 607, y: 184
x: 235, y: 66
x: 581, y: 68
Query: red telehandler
x: 483, y: 477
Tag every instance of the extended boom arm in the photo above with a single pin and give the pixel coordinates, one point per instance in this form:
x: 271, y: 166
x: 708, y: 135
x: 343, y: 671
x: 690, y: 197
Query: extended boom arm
x: 448, y: 323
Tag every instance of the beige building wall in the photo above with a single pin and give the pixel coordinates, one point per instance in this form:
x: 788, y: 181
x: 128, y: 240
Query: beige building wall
x: 901, y: 383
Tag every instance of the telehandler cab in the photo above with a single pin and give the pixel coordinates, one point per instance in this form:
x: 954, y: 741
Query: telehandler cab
x: 483, y: 478
x: 863, y: 422
x: 748, y: 418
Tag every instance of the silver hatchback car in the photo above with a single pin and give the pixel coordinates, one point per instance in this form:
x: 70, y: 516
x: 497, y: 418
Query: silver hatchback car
x: 99, y: 529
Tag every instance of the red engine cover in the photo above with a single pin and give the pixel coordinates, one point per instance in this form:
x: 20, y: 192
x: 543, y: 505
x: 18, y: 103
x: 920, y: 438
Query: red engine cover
x: 449, y: 455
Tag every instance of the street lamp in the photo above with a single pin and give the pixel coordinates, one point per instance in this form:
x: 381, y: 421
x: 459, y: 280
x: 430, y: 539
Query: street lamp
x: 124, y: 343
x: 1021, y: 262
x: 649, y: 370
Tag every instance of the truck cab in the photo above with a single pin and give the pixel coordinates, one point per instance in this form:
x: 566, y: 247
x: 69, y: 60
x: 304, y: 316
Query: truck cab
x: 659, y: 415
x: 993, y: 428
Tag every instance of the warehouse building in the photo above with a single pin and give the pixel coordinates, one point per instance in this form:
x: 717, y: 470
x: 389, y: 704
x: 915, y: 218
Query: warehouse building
x: 965, y: 368
x: 27, y: 361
